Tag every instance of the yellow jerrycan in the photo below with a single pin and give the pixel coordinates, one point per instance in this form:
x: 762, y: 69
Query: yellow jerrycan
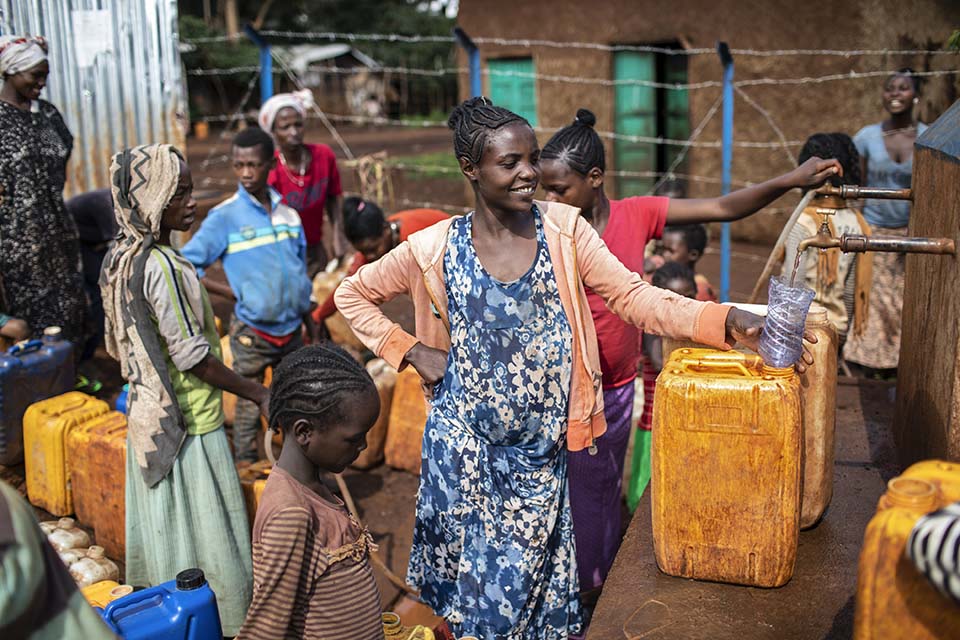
x: 253, y: 480
x: 818, y: 391
x: 894, y: 600
x: 46, y: 426
x: 726, y: 468
x: 97, y: 450
x: 408, y: 417
x: 385, y: 377
x: 818, y: 395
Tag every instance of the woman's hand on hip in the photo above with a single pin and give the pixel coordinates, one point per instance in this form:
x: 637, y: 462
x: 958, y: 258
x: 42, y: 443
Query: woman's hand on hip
x: 430, y: 363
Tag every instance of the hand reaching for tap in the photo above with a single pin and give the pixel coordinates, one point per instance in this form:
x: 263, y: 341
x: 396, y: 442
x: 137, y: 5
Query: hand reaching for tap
x: 814, y: 172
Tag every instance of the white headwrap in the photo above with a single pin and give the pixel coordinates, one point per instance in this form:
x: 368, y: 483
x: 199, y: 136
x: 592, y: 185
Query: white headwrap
x: 300, y: 101
x: 19, y: 53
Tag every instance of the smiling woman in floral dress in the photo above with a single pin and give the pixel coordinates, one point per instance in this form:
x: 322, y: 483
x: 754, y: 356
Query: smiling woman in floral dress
x: 506, y: 344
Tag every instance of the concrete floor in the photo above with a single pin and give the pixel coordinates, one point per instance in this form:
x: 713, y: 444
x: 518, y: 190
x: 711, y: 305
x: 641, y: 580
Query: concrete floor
x: 639, y: 601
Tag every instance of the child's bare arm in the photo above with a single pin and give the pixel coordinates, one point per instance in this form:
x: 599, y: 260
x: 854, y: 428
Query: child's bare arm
x: 744, y: 202
x: 214, y: 373
x: 219, y: 288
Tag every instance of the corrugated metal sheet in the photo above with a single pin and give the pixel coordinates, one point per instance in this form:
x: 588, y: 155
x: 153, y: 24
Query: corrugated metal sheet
x: 115, y: 75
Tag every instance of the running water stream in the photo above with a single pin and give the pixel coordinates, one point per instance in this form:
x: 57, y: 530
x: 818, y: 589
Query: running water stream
x: 796, y: 265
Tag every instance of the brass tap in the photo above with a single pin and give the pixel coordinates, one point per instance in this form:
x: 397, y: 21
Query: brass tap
x: 855, y: 192
x: 822, y: 240
x: 856, y: 243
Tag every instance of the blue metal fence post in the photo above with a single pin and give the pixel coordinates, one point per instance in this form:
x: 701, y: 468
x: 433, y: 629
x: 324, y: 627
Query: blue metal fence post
x: 726, y: 59
x: 473, y: 54
x: 266, y: 63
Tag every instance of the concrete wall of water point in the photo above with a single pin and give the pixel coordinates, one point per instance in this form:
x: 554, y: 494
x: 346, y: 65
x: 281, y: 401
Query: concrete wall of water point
x: 115, y: 75
x: 799, y: 110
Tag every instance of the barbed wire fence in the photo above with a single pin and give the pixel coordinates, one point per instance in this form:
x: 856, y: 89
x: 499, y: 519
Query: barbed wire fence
x: 384, y: 167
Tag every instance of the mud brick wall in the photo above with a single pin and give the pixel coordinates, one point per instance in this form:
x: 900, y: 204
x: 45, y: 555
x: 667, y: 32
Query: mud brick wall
x: 799, y: 110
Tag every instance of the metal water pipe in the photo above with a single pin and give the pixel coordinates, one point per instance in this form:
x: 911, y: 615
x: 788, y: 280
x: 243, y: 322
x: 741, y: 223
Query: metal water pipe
x: 266, y: 62
x: 473, y: 54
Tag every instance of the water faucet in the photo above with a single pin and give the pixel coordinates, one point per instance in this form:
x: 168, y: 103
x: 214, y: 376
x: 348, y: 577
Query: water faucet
x: 858, y: 243
x: 823, y: 238
x: 855, y: 192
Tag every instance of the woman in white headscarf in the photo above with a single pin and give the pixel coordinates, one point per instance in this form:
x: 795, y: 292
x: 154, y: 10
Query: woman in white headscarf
x: 39, y: 245
x: 306, y: 175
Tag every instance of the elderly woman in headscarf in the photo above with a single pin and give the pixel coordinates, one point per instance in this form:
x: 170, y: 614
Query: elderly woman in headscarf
x: 184, y: 505
x: 39, y: 245
x: 306, y: 175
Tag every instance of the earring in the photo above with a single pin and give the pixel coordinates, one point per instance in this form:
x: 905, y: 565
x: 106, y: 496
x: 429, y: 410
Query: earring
x: 916, y: 100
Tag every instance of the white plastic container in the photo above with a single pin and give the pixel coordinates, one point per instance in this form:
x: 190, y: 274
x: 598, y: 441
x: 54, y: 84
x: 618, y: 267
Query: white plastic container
x: 94, y: 567
x: 67, y: 535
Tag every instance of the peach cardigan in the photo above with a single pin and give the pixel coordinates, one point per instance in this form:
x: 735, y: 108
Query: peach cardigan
x: 579, y: 258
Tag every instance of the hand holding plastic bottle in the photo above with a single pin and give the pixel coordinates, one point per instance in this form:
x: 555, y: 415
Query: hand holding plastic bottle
x: 745, y: 327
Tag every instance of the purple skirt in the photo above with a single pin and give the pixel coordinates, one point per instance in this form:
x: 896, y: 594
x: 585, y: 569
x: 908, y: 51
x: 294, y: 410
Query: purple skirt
x: 596, y: 486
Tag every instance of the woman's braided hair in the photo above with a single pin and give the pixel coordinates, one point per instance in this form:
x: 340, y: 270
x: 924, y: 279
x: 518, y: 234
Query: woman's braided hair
x: 834, y: 145
x: 312, y: 382
x: 577, y: 145
x: 472, y: 121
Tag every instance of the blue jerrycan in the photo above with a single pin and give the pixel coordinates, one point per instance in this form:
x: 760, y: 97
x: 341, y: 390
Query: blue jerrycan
x: 182, y: 609
x: 29, y: 372
x: 123, y: 399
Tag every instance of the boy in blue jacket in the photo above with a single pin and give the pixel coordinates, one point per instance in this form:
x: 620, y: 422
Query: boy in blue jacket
x: 261, y: 244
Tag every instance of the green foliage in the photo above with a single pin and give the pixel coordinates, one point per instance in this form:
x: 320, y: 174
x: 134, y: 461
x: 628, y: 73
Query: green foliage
x: 214, y: 55
x: 954, y: 41
x: 406, y: 17
x: 440, y: 164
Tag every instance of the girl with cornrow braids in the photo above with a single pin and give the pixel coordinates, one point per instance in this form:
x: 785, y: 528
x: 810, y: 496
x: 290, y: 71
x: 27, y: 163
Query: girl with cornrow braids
x: 573, y: 163
x: 841, y: 280
x: 311, y: 558
x: 506, y: 348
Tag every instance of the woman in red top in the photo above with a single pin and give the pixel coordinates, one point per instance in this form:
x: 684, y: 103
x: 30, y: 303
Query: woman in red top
x: 373, y: 236
x: 306, y: 175
x: 573, y: 164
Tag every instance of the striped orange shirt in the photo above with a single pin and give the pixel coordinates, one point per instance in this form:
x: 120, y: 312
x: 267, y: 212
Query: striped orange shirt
x: 311, y: 569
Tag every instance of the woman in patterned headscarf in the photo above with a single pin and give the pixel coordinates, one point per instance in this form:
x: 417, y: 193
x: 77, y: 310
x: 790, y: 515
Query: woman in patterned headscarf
x: 184, y: 505
x: 39, y: 246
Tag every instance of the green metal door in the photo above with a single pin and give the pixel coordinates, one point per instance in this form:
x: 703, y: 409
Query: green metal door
x: 635, y: 114
x: 512, y: 86
x: 677, y: 110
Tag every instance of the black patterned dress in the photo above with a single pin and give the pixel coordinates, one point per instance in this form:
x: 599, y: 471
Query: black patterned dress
x: 39, y: 245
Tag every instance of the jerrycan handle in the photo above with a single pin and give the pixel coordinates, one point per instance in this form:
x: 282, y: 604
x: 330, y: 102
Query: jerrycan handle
x: 24, y: 347
x: 722, y: 362
x: 137, y: 597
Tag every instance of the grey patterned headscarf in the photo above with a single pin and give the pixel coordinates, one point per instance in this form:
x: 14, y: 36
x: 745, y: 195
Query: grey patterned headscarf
x: 143, y: 180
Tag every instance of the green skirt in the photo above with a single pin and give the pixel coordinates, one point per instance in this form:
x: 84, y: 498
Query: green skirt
x: 195, y: 517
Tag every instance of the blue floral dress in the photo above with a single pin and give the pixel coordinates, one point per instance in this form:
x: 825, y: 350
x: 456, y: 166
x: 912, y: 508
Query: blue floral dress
x: 493, y: 548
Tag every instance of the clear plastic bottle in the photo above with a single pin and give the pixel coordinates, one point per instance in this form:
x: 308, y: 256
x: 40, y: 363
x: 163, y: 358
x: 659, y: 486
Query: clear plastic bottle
x: 781, y: 343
